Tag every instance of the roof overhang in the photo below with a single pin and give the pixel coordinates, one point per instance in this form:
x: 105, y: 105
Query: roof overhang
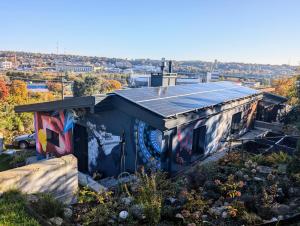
x: 69, y: 103
x: 209, y: 111
x: 270, y: 99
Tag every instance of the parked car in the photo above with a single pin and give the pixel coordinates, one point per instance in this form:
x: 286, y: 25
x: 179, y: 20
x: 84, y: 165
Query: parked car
x: 24, y: 141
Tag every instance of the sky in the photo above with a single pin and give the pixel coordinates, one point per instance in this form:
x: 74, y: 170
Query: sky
x: 252, y: 31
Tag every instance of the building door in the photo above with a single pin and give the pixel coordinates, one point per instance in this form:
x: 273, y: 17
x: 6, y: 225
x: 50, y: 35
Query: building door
x: 236, y: 123
x: 80, y: 144
x: 199, y: 135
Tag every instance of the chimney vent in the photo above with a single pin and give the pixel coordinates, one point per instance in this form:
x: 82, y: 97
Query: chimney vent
x: 163, y: 79
x: 163, y: 65
x: 170, y: 66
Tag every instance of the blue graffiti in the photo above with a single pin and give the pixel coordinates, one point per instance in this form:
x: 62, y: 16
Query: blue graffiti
x: 148, y: 143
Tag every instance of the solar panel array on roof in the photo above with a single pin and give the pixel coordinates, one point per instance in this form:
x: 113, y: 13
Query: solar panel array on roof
x: 172, y: 100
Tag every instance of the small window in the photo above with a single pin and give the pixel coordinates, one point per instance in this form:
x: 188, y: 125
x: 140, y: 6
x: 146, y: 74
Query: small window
x: 52, y: 137
x: 236, y: 123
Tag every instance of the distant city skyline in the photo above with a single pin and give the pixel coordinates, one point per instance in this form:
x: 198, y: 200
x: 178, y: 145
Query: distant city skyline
x: 263, y: 32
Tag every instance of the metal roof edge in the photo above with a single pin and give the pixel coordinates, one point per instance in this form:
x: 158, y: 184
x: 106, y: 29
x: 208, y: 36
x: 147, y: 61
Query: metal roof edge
x: 69, y: 103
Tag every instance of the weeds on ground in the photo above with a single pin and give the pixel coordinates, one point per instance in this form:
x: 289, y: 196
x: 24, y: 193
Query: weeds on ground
x: 13, y: 210
x: 238, y: 210
x: 272, y: 159
x: 103, y: 206
x: 233, y: 158
x: 86, y: 195
x: 48, y: 206
x: 230, y: 188
x: 99, y: 215
x: 200, y: 174
x: 5, y: 162
x: 150, y: 197
x: 219, y: 192
x: 19, y: 158
x: 195, y: 202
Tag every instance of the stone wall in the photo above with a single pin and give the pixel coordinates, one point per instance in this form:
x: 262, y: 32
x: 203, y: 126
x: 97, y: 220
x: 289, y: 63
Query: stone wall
x: 58, y: 176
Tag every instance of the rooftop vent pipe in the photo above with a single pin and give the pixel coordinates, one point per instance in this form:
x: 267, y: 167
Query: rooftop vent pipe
x: 163, y: 64
x: 170, y: 66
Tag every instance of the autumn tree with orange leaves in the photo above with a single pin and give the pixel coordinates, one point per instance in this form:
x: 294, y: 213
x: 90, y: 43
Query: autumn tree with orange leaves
x: 286, y: 87
x: 4, y: 92
x: 114, y: 84
x: 54, y: 86
x: 18, y: 91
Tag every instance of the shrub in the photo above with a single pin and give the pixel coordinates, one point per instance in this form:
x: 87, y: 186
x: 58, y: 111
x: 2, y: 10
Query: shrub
x: 230, y: 188
x: 48, y: 206
x: 103, y: 211
x: 272, y: 159
x: 86, y: 196
x: 202, y: 173
x: 195, y: 202
x: 99, y: 215
x: 150, y: 197
x: 277, y: 158
x: 250, y: 218
x: 295, y: 177
x: 269, y: 195
x: 232, y: 159
x: 294, y: 164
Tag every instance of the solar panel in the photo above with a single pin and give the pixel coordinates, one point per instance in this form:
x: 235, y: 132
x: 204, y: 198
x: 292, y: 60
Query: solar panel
x: 172, y: 100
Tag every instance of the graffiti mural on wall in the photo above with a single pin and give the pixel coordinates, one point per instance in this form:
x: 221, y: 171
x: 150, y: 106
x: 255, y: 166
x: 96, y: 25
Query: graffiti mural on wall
x: 102, y: 146
x: 148, y: 142
x: 52, y: 135
x: 185, y: 139
x: 218, y: 127
x: 250, y: 114
x: 184, y: 152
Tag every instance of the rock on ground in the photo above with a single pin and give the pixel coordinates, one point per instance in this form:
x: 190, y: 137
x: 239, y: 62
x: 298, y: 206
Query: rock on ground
x: 137, y: 211
x: 68, y: 212
x: 280, y: 209
x: 56, y: 221
x: 264, y: 169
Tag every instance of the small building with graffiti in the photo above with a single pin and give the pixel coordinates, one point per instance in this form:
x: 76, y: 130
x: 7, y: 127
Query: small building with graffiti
x: 168, y: 127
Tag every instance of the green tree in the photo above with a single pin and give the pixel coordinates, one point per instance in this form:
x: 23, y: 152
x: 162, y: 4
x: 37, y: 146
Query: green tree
x: 87, y: 86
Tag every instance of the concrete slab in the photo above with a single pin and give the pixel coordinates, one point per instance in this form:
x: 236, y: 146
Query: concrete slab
x: 58, y: 176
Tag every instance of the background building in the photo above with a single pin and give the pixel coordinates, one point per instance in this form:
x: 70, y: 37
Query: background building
x: 6, y: 65
x: 74, y: 67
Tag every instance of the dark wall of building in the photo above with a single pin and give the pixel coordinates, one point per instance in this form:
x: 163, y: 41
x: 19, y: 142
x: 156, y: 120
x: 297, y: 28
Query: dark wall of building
x: 105, y: 131
x: 212, y: 132
x: 270, y: 113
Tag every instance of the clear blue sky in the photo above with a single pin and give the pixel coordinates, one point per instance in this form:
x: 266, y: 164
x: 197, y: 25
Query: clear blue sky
x: 261, y: 31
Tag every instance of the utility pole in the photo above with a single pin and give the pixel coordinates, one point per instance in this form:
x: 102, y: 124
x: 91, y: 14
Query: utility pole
x: 298, y: 83
x: 62, y: 86
x: 59, y: 71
